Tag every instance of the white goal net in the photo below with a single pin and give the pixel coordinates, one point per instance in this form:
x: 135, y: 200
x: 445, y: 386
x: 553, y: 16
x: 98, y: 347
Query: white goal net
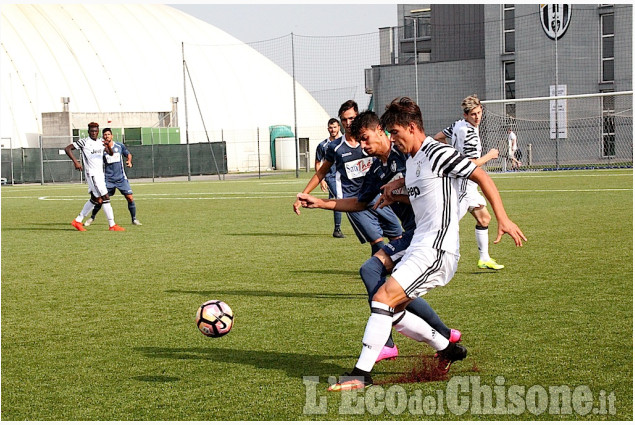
x: 561, y: 132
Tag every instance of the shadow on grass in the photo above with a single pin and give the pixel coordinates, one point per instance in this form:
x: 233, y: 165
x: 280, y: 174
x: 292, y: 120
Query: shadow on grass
x: 293, y: 364
x: 354, y: 273
x: 282, y: 234
x: 253, y: 293
x: 155, y: 378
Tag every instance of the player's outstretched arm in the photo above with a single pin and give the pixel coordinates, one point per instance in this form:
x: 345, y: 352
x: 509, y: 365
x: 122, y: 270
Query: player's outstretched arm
x: 344, y: 205
x: 440, y: 137
x: 492, y: 154
x: 505, y: 225
x: 312, y: 184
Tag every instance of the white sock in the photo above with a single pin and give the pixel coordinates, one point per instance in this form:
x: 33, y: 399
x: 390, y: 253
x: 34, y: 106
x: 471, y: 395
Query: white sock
x: 482, y: 241
x: 88, y: 207
x: 416, y: 328
x: 377, y: 332
x: 110, y: 215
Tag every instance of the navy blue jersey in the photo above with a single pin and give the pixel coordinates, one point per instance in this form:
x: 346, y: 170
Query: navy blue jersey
x: 320, y: 153
x: 351, y: 165
x: 381, y: 174
x: 114, y: 170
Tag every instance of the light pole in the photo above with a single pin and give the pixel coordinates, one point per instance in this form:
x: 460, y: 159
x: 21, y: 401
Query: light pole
x: 415, y: 23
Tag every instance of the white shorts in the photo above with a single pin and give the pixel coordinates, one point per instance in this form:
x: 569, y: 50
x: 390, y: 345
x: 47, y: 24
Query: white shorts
x: 97, y: 186
x: 422, y: 269
x: 471, y: 199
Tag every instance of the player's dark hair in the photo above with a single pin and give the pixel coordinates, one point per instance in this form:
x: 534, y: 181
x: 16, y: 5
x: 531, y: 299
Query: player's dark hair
x: 92, y: 124
x: 333, y: 121
x: 105, y: 130
x: 365, y: 120
x: 346, y: 106
x: 402, y: 111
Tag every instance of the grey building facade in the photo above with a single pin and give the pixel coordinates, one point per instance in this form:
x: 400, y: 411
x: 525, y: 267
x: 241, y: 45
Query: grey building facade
x: 510, y: 52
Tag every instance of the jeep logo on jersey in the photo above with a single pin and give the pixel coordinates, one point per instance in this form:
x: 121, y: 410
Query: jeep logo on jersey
x: 555, y: 19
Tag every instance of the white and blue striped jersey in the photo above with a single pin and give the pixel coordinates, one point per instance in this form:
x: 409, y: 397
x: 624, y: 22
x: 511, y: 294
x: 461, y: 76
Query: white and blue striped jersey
x: 465, y: 139
x: 351, y: 165
x: 114, y: 169
x: 92, y: 155
x: 432, y: 182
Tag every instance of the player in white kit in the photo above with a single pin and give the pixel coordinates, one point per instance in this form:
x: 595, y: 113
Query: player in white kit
x: 92, y: 150
x: 433, y: 173
x: 465, y: 138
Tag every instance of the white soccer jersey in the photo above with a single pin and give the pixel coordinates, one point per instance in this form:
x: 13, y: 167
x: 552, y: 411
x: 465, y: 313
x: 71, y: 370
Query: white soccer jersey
x: 432, y: 182
x: 466, y: 139
x: 92, y: 154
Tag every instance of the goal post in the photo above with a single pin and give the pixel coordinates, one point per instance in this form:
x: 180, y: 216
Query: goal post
x: 561, y: 132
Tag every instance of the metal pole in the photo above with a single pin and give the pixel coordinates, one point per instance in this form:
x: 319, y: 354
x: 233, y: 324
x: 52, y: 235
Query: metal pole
x: 11, y: 154
x: 41, y: 159
x: 187, y: 133
x: 152, y: 153
x: 557, y: 25
x: 295, y: 116
x: 416, y: 22
x: 258, y: 141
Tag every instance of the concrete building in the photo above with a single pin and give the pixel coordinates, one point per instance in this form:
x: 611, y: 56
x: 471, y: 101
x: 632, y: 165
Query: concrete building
x: 504, y: 52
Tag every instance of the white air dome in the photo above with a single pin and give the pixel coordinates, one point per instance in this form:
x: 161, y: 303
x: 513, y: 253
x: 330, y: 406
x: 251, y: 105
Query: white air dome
x: 121, y: 58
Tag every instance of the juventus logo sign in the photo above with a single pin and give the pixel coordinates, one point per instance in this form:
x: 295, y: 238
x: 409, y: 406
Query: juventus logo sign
x: 555, y: 19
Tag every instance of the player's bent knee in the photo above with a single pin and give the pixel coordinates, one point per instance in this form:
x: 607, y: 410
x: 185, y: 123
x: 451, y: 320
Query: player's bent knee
x: 391, y: 293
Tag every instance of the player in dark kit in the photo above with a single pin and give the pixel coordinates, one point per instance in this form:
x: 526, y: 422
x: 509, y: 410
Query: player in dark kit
x: 433, y: 170
x: 389, y: 165
x: 328, y: 184
x: 351, y: 164
x: 116, y: 176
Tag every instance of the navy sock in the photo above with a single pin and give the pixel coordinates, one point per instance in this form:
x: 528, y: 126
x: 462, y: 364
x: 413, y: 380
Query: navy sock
x: 337, y: 219
x: 132, y: 207
x: 373, y: 275
x: 421, y: 308
x: 95, y: 211
x: 376, y: 247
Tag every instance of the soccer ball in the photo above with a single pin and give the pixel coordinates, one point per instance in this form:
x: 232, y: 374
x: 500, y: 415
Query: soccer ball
x: 214, y: 318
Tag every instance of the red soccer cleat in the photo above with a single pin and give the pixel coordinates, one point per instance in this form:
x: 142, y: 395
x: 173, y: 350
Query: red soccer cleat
x: 78, y: 225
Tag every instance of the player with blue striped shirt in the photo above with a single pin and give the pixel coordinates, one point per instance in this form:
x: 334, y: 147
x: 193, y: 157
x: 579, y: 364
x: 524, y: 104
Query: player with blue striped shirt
x: 352, y: 164
x: 116, y: 175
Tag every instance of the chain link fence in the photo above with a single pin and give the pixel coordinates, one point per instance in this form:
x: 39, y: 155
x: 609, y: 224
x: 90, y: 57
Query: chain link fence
x: 498, y: 52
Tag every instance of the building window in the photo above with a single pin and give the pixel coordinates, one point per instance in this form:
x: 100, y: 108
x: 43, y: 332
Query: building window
x: 509, y: 85
x: 509, y: 29
x: 607, y: 44
x: 608, y: 126
x: 423, y: 25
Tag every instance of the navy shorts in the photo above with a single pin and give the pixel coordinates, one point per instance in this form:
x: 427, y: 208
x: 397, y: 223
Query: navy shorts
x: 122, y: 185
x: 397, y: 248
x: 370, y: 225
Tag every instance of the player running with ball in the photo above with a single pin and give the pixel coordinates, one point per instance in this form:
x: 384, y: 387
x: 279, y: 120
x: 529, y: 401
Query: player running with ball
x: 433, y: 173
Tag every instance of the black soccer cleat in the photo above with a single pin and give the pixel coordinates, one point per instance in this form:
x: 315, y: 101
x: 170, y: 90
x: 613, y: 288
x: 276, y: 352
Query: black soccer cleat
x: 337, y: 233
x: 450, y: 354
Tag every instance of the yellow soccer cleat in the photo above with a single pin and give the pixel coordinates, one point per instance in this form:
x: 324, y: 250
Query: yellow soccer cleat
x: 491, y: 264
